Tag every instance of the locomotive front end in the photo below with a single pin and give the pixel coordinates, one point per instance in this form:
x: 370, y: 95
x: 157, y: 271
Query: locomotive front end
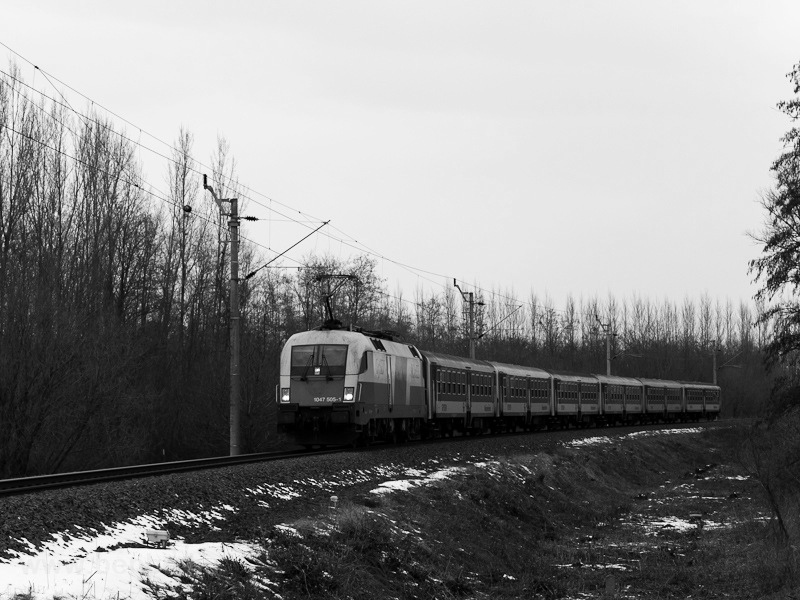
x: 318, y: 385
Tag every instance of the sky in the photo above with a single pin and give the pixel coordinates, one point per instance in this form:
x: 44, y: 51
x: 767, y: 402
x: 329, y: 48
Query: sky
x: 557, y: 147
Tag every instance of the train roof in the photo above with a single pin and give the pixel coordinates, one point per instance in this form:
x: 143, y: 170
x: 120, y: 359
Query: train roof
x: 616, y: 380
x: 699, y: 385
x: 665, y: 383
x: 521, y: 371
x: 456, y: 362
x: 361, y: 341
x: 357, y: 342
x: 566, y: 376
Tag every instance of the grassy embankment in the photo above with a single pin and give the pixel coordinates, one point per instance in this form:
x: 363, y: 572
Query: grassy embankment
x: 615, y: 520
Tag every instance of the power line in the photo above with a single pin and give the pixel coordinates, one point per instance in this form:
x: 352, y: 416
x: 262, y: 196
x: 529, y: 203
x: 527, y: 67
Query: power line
x: 141, y: 130
x: 249, y: 275
x: 362, y: 248
x: 89, y: 120
x: 131, y: 180
x: 128, y: 181
x: 355, y: 245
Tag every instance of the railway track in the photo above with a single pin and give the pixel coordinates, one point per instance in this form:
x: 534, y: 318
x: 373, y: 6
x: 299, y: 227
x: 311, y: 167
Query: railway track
x: 24, y: 485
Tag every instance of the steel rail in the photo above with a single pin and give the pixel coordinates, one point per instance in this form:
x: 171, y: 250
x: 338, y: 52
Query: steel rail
x: 38, y: 483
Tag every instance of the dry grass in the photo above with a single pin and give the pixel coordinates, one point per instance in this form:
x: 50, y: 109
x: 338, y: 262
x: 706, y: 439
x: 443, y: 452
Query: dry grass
x: 578, y: 523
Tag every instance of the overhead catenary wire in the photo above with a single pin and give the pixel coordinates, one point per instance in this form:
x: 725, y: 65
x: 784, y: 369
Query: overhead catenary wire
x: 361, y: 247
x: 250, y: 193
x: 251, y: 274
x: 138, y: 182
x: 128, y: 181
x: 198, y: 171
x: 175, y: 205
x: 89, y: 119
x: 132, y: 178
x: 163, y: 197
x: 355, y: 245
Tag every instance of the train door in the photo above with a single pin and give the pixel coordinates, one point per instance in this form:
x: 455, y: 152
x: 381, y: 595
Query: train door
x: 390, y: 367
x: 503, y: 382
x: 470, y: 383
x: 428, y: 387
x: 433, y: 386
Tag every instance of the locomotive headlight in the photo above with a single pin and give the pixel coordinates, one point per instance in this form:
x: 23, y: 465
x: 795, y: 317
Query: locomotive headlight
x: 349, y: 394
x: 284, y: 394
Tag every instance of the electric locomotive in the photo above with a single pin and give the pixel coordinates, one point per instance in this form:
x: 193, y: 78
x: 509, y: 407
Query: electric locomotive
x: 340, y: 385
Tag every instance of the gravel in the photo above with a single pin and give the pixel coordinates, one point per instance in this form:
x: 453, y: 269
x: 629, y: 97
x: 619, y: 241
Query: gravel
x: 239, y: 502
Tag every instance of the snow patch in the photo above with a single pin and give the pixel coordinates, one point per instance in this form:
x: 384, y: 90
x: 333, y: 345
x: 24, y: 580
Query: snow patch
x: 605, y: 439
x: 405, y: 485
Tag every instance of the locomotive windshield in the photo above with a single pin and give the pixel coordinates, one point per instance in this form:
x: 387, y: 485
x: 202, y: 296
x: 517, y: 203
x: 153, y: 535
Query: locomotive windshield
x: 320, y: 359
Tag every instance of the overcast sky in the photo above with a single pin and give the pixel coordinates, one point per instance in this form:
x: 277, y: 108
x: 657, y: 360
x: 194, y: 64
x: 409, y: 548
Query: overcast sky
x: 586, y: 147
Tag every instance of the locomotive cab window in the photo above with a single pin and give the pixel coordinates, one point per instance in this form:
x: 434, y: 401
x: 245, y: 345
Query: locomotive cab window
x: 319, y: 360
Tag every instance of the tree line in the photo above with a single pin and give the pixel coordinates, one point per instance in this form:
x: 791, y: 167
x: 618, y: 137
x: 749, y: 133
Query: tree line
x: 772, y: 449
x: 114, y: 340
